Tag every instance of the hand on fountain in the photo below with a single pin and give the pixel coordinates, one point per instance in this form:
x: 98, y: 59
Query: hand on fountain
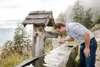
x: 61, y: 40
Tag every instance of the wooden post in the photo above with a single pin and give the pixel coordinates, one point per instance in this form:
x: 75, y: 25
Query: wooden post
x: 34, y: 40
x: 39, y: 19
x: 39, y: 45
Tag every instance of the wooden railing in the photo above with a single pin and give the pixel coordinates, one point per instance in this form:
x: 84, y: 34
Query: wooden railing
x: 39, y: 61
x: 31, y: 61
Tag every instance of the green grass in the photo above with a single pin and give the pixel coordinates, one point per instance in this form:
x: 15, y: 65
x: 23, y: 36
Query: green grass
x: 12, y: 60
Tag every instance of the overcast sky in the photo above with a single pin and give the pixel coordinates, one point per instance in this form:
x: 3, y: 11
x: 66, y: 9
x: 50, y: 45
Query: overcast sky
x: 14, y: 11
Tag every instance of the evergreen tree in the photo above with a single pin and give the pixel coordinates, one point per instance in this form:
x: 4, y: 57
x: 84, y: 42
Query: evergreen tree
x: 77, y: 12
x: 81, y: 15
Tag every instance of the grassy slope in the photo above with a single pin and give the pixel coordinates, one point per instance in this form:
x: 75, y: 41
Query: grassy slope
x: 12, y: 60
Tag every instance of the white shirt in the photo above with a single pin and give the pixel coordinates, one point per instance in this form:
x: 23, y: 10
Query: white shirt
x: 77, y: 31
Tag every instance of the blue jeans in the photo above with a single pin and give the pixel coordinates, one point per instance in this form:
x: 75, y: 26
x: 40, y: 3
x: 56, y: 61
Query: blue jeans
x: 90, y: 61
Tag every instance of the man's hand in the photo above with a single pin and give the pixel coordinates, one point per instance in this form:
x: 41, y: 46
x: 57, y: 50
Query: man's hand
x: 87, y: 52
x: 61, y: 39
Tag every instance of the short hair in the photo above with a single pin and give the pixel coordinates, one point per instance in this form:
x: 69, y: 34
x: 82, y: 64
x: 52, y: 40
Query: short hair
x: 59, y: 25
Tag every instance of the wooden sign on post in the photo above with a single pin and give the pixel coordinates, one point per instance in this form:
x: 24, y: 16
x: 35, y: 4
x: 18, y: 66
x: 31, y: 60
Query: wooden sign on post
x: 39, y: 20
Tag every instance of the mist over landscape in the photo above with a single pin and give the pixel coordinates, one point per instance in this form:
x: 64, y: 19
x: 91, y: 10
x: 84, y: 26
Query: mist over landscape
x: 7, y: 26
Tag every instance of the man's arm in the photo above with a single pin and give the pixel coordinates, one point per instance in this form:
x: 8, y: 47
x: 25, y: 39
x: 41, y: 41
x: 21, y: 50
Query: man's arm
x: 68, y: 38
x: 87, y: 44
x: 63, y: 39
x: 87, y: 40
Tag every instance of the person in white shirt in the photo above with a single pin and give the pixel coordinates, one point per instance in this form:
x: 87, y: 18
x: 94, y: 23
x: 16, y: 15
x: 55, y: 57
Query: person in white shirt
x: 85, y: 37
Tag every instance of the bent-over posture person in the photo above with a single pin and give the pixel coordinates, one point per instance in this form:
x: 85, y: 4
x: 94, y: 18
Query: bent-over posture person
x: 85, y: 37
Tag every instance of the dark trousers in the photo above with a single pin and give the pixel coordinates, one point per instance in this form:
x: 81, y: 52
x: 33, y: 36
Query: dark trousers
x: 90, y: 61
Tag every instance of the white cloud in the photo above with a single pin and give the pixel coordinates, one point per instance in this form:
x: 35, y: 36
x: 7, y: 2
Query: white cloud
x: 19, y: 9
